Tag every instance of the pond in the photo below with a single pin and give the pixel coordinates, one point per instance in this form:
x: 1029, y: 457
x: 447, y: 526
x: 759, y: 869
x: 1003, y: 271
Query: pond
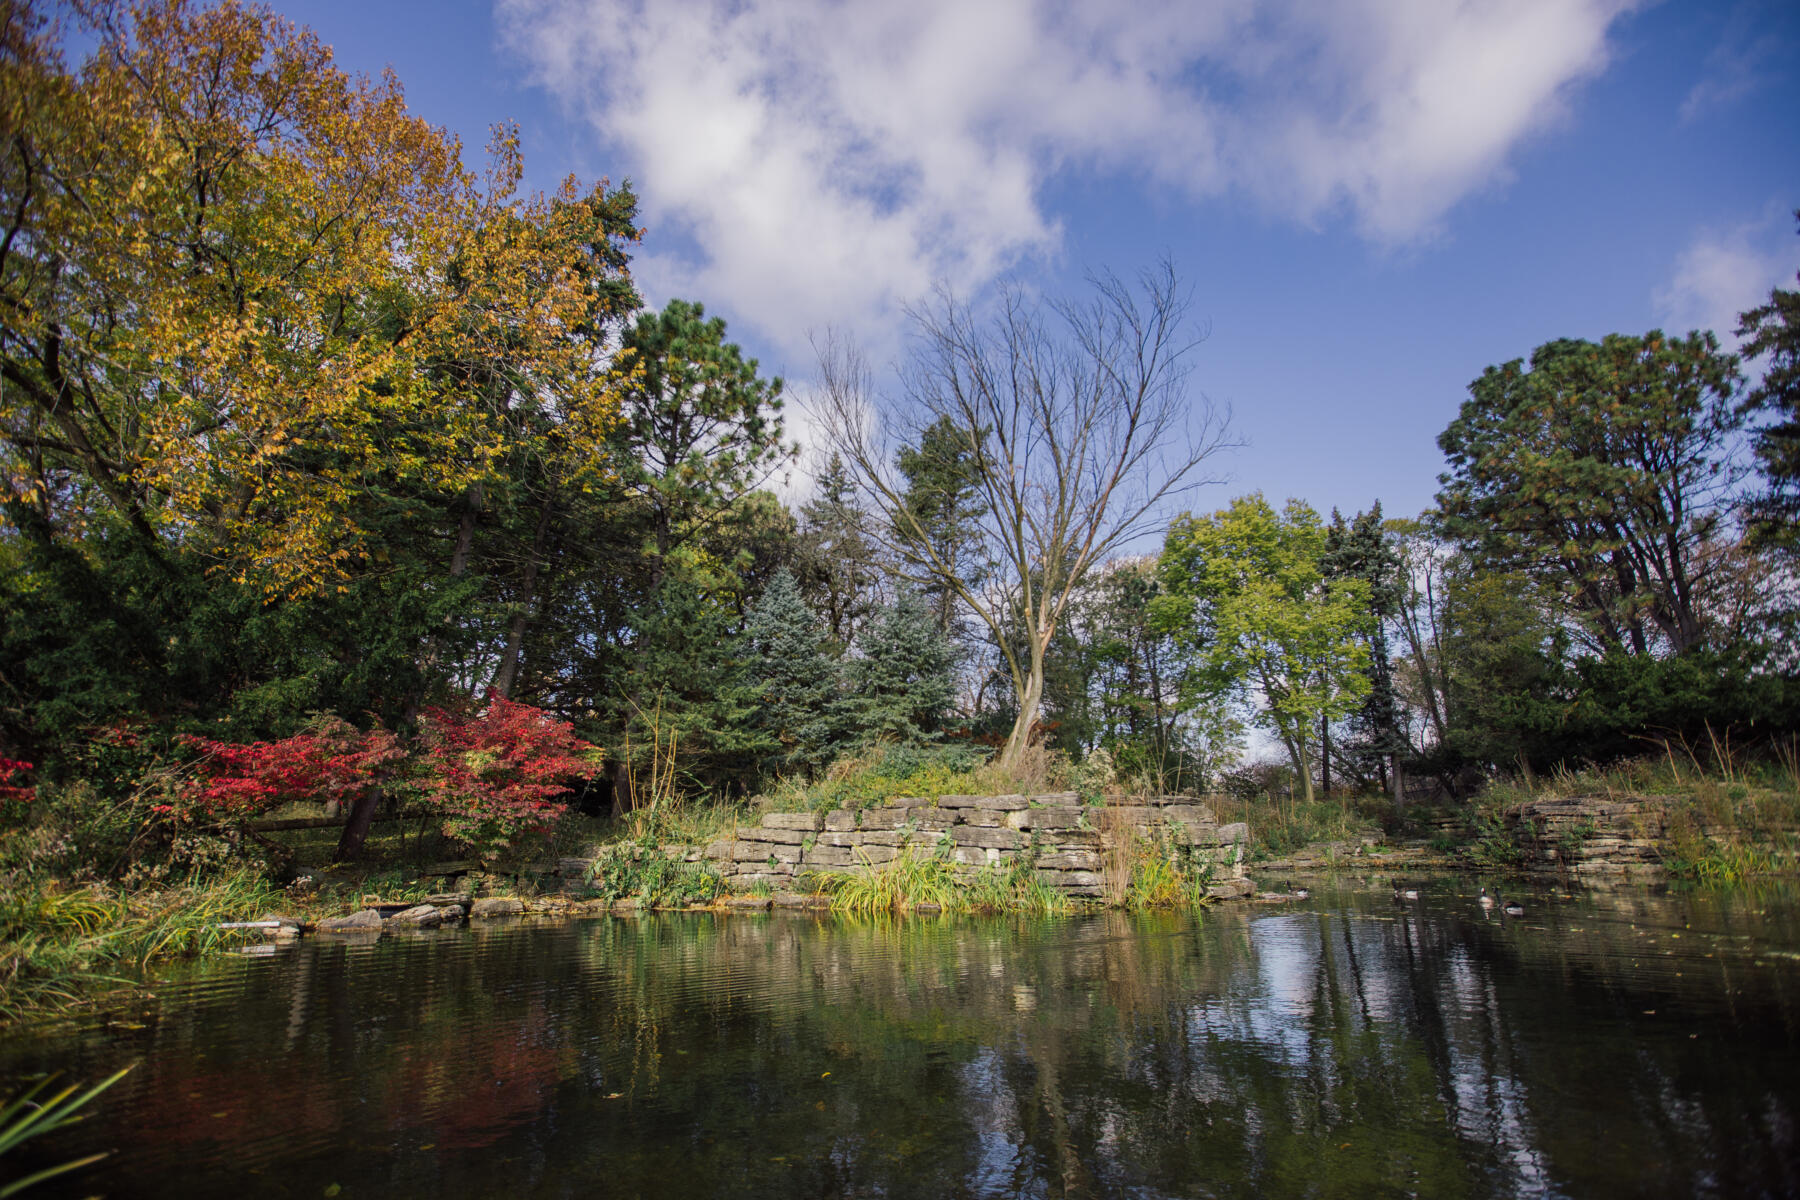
x: 1346, y: 1045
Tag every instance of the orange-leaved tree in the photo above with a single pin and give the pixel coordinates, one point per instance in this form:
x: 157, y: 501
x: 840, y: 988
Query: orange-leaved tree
x: 230, y: 278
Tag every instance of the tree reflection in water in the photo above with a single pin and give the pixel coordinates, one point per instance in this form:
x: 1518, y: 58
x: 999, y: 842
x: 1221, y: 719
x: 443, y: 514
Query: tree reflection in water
x: 1620, y: 1043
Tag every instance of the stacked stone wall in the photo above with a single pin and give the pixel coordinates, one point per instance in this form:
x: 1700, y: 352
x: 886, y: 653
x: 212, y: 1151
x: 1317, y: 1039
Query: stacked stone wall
x: 1064, y: 839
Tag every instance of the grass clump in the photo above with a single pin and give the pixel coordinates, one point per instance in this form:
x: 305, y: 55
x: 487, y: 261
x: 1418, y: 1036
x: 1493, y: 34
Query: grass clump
x: 908, y: 881
x: 59, y: 944
x: 879, y: 773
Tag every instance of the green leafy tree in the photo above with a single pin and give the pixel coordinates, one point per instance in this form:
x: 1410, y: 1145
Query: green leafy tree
x: 903, y: 681
x: 1249, y: 602
x: 1772, y: 331
x: 1603, y: 468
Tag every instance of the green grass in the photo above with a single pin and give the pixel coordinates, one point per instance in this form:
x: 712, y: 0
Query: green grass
x: 58, y: 945
x: 879, y: 773
x: 916, y: 878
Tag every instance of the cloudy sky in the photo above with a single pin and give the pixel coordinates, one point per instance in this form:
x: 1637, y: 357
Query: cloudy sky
x: 1371, y: 200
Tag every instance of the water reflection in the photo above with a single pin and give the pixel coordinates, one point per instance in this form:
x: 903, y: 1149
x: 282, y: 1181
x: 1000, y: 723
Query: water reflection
x: 1349, y: 1046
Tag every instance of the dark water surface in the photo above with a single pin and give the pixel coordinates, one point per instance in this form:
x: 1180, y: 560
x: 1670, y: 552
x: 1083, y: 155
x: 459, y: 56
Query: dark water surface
x: 1613, y: 1044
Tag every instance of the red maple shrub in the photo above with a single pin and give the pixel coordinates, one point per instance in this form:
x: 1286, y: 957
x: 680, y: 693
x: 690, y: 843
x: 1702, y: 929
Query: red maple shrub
x: 332, y: 760
x: 493, y: 775
x: 13, y: 797
x: 501, y: 772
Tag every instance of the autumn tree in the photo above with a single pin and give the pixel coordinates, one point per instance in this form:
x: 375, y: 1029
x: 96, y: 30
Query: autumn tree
x: 1078, y: 424
x: 1603, y: 467
x: 226, y: 268
x: 1248, y: 599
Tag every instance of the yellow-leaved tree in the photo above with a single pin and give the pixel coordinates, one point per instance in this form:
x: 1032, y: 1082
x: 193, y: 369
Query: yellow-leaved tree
x: 239, y: 289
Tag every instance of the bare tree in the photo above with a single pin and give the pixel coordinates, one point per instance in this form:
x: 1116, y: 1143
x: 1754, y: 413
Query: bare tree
x: 1080, y: 421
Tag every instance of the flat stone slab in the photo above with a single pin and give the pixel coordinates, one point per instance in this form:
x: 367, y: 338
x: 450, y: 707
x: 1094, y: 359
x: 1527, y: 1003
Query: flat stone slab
x: 1231, y: 889
x: 1189, y: 814
x: 748, y: 903
x: 958, y: 801
x: 994, y: 839
x: 828, y: 856
x: 361, y: 922
x: 785, y: 837
x: 984, y: 818
x: 1071, y: 879
x: 1057, y: 799
x: 1046, y: 818
x: 496, y: 906
x: 1003, y: 803
x: 764, y: 851
x: 1071, y: 860
x: 811, y: 822
x: 840, y: 820
x: 419, y: 916
x: 1237, y: 831
x: 884, y: 818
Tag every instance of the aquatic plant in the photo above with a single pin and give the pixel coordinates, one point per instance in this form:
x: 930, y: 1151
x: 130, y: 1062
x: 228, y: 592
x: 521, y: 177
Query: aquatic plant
x: 24, y: 1117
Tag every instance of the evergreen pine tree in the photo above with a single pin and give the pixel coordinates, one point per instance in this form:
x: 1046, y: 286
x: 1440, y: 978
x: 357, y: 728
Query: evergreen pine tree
x: 837, y: 565
x: 791, y: 683
x: 903, y: 683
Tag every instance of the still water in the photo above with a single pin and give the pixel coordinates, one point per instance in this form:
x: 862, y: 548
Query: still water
x: 1618, y: 1044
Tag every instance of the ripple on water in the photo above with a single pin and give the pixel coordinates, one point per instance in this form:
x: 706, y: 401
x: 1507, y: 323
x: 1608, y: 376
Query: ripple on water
x: 1592, y: 1047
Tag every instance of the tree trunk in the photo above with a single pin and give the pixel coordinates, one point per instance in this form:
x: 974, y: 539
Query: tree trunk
x: 1324, y: 754
x: 508, y: 673
x: 356, y: 829
x: 1399, y: 782
x: 1020, y: 738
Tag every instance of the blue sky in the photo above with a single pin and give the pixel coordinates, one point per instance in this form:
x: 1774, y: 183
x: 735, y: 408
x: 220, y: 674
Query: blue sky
x: 1371, y: 200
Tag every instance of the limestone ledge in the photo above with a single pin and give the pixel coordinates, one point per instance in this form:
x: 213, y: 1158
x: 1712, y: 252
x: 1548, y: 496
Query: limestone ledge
x: 1063, y: 838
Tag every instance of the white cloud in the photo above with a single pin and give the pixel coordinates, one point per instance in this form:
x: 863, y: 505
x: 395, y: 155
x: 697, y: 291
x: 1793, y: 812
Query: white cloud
x: 831, y: 160
x: 1749, y: 54
x: 1723, y: 272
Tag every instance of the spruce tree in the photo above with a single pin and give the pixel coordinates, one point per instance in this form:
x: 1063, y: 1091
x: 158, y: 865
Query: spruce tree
x: 903, y: 682
x: 791, y: 683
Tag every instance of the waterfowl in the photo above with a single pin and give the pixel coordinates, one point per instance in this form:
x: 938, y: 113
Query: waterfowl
x: 1513, y: 908
x: 1485, y: 900
x: 1302, y: 893
x: 1405, y: 893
